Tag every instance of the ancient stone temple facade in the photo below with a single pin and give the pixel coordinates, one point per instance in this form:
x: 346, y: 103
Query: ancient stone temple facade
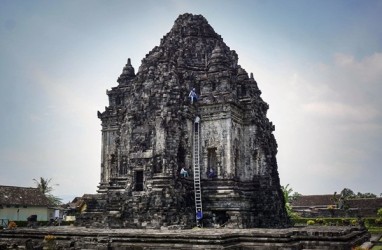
x: 150, y: 130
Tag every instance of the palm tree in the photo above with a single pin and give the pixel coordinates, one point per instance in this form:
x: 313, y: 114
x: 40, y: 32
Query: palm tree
x: 45, y: 187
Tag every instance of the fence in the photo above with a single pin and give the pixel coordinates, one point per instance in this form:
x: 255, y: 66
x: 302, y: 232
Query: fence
x: 4, y: 223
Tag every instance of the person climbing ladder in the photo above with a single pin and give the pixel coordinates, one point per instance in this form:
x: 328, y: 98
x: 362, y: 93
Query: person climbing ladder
x: 193, y: 96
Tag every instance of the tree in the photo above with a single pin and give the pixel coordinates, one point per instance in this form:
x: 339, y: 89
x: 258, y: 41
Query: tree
x: 44, y: 185
x: 347, y: 193
x: 46, y: 188
x: 287, y: 191
x: 294, y: 196
x: 366, y: 195
x: 288, y: 197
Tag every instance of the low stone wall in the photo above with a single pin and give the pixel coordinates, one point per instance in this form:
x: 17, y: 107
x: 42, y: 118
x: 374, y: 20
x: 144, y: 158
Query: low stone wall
x: 70, y: 237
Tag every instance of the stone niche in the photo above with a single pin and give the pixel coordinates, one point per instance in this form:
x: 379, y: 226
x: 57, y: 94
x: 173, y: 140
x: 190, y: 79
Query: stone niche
x: 148, y: 136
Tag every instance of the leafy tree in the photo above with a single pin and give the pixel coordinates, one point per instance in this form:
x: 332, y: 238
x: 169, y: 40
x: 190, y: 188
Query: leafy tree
x: 347, y: 193
x: 46, y: 188
x: 366, y: 195
x: 294, y: 196
x: 288, y: 196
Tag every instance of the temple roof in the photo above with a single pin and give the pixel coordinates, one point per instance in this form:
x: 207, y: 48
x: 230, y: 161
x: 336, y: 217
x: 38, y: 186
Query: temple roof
x: 191, y: 44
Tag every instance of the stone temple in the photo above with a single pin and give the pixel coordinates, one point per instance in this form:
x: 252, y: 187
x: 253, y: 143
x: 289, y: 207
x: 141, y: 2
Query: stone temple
x: 151, y: 130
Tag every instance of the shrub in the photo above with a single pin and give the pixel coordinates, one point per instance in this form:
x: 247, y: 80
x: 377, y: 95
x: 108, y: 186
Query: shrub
x: 378, y: 221
x: 295, y: 216
x: 319, y: 221
x: 345, y: 222
x: 310, y: 222
x: 49, y: 237
x: 379, y: 213
x: 354, y: 222
x: 371, y: 222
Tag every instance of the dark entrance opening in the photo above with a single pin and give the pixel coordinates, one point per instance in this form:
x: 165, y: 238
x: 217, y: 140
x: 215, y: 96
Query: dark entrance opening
x: 181, y: 157
x: 211, y: 159
x: 243, y: 90
x: 139, y: 180
x: 220, y: 217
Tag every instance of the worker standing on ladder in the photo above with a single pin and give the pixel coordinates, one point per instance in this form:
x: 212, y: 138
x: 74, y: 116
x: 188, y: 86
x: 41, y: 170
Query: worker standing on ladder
x: 199, y: 217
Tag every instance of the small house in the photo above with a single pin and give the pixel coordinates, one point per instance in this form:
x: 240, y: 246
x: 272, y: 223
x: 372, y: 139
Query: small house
x: 18, y: 203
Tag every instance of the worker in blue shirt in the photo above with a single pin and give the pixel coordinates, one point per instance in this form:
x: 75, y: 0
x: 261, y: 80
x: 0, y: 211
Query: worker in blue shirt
x: 193, y: 96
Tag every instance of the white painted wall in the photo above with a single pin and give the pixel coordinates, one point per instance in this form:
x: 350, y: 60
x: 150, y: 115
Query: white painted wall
x: 22, y: 213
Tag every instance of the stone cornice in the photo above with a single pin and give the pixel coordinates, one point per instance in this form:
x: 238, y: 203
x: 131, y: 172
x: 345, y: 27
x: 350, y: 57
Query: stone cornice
x: 221, y: 111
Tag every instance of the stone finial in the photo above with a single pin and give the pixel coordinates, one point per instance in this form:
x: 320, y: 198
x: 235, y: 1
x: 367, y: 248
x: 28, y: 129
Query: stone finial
x: 251, y: 76
x: 128, y: 72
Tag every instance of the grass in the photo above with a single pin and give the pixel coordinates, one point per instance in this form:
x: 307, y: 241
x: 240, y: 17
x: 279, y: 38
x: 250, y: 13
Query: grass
x: 375, y: 230
x: 376, y: 248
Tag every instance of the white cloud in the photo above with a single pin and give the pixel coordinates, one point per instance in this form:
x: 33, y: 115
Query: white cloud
x: 366, y: 70
x: 342, y: 111
x: 328, y: 122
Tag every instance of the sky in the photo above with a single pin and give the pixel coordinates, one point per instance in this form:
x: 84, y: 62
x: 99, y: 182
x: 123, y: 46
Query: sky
x: 317, y: 63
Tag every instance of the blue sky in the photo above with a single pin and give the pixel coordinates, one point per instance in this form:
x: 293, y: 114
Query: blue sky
x: 318, y: 64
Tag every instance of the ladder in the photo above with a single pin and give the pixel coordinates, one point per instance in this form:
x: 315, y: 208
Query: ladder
x: 197, y: 188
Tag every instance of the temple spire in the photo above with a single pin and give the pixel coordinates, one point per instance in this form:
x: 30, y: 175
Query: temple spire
x: 128, y: 73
